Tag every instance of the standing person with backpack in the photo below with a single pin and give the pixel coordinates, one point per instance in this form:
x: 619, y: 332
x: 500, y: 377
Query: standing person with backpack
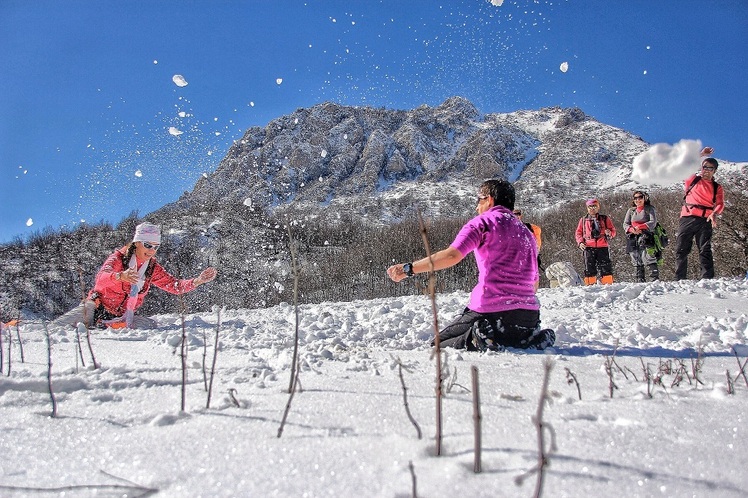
x: 639, y: 224
x: 704, y: 199
x: 592, y: 234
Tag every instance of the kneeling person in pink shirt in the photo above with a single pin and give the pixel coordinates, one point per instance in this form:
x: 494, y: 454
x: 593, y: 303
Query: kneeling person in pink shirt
x: 503, y: 310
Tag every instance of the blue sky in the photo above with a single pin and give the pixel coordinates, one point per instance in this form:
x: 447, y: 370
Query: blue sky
x: 87, y: 96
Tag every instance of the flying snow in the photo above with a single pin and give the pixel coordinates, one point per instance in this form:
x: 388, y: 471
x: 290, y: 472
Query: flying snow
x: 665, y: 164
x: 179, y: 80
x: 278, y: 81
x: 139, y: 173
x: 497, y: 3
x: 29, y: 222
x: 174, y: 131
x: 564, y: 67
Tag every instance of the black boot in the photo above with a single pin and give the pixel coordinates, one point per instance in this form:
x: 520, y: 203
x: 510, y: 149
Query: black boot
x: 654, y: 271
x: 640, y: 274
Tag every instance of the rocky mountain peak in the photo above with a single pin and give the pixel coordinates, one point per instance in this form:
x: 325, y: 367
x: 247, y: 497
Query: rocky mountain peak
x: 318, y: 159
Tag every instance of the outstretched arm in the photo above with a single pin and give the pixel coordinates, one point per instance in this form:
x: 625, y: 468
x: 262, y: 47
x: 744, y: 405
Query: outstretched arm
x: 205, y: 276
x: 441, y: 260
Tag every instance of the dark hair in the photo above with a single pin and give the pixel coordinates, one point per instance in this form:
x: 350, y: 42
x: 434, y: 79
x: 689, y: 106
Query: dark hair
x: 646, y: 198
x: 501, y: 190
x: 130, y: 251
x: 712, y: 161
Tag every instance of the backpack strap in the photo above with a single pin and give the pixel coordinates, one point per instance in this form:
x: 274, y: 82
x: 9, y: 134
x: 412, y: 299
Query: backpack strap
x: 690, y: 187
x: 696, y: 180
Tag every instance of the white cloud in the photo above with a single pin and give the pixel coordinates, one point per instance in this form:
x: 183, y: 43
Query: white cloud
x: 665, y: 164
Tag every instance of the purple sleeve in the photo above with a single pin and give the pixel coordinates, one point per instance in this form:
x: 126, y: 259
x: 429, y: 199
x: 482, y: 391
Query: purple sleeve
x: 468, y: 238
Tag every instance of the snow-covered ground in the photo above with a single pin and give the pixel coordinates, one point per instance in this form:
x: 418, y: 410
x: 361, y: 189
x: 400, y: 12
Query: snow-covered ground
x: 347, y: 432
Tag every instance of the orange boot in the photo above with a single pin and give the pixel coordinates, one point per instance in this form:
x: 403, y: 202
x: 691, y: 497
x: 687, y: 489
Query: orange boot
x: 607, y: 279
x: 590, y: 280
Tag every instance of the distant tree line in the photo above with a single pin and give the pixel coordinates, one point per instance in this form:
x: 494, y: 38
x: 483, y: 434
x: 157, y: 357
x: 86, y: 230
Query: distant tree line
x: 339, y: 260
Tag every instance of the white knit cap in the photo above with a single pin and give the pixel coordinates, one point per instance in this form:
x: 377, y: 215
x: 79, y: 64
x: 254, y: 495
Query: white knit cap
x: 147, y: 232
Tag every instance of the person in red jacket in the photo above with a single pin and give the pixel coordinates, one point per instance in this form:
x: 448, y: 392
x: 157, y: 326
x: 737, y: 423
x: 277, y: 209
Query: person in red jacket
x: 704, y: 199
x: 593, y: 232
x: 124, y: 280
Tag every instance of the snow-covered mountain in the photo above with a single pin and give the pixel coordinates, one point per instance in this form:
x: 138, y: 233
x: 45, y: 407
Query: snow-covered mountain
x: 381, y: 163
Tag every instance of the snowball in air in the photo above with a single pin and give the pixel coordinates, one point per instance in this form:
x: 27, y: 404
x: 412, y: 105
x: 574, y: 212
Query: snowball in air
x: 497, y: 3
x: 179, y: 80
x: 278, y: 81
x: 564, y: 67
x: 138, y: 173
x: 174, y: 132
x: 29, y: 222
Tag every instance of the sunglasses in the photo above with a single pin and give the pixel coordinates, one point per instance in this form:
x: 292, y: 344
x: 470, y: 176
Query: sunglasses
x: 638, y: 197
x: 594, y: 206
x: 482, y: 197
x: 708, y: 168
x: 148, y: 245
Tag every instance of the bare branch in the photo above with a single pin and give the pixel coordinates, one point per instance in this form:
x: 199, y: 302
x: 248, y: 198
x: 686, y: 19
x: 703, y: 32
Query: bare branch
x: 609, y: 370
x: 18, y: 334
x: 730, y: 385
x: 476, y: 421
x: 294, y: 384
x: 741, y: 367
x: 215, y: 355
x: 49, y: 372
x: 295, y: 356
x: 405, y: 399
x: 413, y: 479
x: 572, y: 379
x: 90, y: 349
x: 437, y: 345
x: 232, y: 397
x: 541, y: 427
x: 183, y: 354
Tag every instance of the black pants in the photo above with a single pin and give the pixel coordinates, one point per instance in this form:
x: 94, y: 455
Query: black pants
x: 597, y: 262
x: 691, y: 227
x: 514, y: 327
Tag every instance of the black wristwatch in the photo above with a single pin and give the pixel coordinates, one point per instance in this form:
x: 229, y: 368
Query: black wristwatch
x: 408, y: 269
